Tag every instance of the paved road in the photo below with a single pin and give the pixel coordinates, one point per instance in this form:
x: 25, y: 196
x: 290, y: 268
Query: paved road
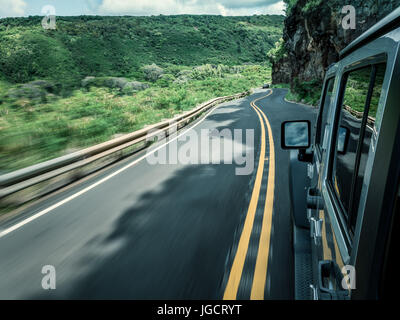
x: 167, y: 231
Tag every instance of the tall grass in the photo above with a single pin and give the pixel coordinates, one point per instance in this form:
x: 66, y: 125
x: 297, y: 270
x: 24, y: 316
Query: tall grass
x: 34, y: 132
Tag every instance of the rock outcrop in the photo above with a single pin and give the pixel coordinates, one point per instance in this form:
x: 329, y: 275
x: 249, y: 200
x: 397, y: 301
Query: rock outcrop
x: 313, y: 35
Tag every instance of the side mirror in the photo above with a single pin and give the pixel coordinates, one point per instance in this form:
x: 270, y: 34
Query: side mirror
x: 296, y: 134
x: 343, y: 140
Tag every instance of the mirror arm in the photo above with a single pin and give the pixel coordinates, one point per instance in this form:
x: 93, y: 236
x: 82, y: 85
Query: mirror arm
x: 305, y: 156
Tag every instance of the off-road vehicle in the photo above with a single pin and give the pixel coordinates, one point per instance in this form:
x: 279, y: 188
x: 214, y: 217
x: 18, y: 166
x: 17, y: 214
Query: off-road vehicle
x: 345, y: 174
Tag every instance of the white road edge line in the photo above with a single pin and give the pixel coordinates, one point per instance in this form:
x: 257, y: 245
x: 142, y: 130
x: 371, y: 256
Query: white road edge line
x: 58, y: 204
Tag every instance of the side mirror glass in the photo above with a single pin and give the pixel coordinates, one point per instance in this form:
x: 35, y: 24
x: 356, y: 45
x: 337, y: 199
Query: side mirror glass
x: 343, y: 139
x: 296, y: 134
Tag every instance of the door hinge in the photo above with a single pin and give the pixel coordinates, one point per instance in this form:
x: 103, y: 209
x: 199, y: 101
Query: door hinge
x: 314, y: 292
x: 316, y: 229
x: 310, y: 170
x: 314, y: 199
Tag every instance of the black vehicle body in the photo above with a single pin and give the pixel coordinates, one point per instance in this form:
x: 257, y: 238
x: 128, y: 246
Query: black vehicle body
x: 346, y: 234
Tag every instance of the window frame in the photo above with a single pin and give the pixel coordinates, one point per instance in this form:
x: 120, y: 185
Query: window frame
x: 343, y: 219
x: 322, y: 109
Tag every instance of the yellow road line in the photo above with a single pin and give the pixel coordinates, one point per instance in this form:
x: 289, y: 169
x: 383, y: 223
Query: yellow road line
x: 260, y: 272
x: 327, y: 252
x: 235, y: 275
x: 238, y: 262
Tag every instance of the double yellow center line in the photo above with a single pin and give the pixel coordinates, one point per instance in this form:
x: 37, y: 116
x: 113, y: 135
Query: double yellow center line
x: 260, y: 271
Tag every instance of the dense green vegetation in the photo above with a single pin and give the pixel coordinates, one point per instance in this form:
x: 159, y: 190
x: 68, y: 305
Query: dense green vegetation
x: 355, y: 94
x: 357, y: 87
x: 308, y: 92
x: 278, y: 52
x: 304, y: 92
x: 96, y: 77
x: 120, y: 46
x: 309, y: 6
x: 32, y: 130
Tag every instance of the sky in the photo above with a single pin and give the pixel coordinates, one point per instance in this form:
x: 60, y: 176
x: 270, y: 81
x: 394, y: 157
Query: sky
x: 21, y: 8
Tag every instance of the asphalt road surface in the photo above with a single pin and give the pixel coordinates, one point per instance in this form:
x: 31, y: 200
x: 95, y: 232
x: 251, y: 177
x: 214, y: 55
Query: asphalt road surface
x: 139, y: 230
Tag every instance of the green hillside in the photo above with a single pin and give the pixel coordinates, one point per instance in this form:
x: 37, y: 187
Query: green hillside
x: 97, y: 77
x: 120, y: 46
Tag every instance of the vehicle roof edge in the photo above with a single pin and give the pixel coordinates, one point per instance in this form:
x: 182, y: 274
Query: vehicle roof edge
x: 388, y: 23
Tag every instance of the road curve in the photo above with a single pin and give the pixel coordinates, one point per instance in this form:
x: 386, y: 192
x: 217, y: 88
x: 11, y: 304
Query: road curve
x: 139, y: 230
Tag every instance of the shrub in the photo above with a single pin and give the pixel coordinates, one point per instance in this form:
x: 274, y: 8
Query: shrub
x: 35, y: 90
x: 152, y: 72
x: 88, y: 81
x: 308, y: 91
x: 134, y: 86
x: 165, y: 80
x: 113, y: 82
x: 277, y: 53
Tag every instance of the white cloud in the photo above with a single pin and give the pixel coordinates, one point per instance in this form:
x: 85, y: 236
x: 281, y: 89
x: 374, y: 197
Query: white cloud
x: 222, y: 9
x: 243, y: 3
x: 137, y: 7
x: 12, y: 8
x: 276, y: 8
x: 166, y: 7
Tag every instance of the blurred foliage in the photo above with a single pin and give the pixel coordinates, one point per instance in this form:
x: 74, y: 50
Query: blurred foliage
x: 32, y: 130
x: 95, y: 77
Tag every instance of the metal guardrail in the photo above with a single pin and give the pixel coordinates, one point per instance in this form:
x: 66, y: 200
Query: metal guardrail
x: 359, y: 115
x: 50, y: 175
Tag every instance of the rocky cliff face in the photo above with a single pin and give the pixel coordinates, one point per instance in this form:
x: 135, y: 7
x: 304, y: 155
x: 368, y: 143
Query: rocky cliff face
x: 313, y: 35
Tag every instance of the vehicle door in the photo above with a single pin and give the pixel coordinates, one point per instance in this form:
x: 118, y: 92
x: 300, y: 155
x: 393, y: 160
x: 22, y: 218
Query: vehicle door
x: 342, y: 161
